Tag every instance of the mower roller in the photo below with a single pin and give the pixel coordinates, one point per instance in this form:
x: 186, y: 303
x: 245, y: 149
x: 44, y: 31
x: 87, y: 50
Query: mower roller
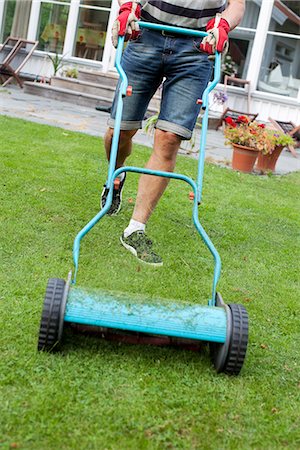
x: 224, y: 327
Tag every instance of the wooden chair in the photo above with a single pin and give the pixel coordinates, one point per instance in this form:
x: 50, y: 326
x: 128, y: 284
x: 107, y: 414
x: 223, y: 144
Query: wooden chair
x: 288, y: 128
x: 240, y: 82
x: 13, y: 56
x: 8, y: 48
x: 228, y: 112
x: 234, y: 114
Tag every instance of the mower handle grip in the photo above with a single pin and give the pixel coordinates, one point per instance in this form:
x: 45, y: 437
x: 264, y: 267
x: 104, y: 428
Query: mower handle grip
x: 171, y: 29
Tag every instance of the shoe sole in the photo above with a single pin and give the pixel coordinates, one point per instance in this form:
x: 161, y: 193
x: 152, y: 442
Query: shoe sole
x: 134, y: 252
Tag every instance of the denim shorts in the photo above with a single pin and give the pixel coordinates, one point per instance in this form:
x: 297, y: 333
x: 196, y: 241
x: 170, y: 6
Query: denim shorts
x: 176, y: 63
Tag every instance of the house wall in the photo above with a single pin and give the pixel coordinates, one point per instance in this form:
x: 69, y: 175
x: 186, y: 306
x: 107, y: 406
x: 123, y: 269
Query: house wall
x: 285, y: 109
x: 256, y: 32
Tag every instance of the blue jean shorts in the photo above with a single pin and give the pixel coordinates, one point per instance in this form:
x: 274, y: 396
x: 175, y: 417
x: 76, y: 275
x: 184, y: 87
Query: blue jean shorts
x: 174, y: 62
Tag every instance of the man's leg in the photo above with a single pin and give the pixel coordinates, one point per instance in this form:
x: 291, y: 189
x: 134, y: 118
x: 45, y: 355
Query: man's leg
x: 125, y: 145
x: 142, y: 63
x: 151, y: 188
x: 187, y: 73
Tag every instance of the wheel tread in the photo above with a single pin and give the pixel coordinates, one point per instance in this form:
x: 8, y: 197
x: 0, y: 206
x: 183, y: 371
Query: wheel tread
x: 48, y: 335
x: 239, y: 341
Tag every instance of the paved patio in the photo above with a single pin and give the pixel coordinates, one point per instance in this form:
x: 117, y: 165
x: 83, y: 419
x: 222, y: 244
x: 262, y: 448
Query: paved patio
x: 15, y: 103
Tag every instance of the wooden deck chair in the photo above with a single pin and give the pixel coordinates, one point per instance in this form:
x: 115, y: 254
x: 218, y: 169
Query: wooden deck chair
x: 228, y: 112
x: 8, y: 48
x: 14, y: 60
x: 7, y: 51
x: 288, y: 128
x: 234, y: 114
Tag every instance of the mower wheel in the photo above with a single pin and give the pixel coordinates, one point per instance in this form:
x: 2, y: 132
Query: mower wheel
x: 229, y: 357
x: 49, y: 335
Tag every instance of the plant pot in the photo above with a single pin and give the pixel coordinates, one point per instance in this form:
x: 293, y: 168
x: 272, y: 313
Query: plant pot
x: 243, y: 158
x: 267, y: 163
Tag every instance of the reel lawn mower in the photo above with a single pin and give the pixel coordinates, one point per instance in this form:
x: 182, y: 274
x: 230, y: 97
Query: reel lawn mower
x: 224, y: 327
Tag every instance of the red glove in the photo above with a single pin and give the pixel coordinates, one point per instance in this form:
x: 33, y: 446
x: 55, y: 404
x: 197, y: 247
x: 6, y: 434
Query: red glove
x: 126, y: 22
x: 217, y: 39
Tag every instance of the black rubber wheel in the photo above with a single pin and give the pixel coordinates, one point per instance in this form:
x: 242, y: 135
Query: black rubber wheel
x: 229, y: 357
x: 49, y: 334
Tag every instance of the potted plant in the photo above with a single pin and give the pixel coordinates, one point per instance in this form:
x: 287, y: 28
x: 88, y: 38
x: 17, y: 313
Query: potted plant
x: 187, y: 146
x: 228, y: 67
x: 267, y: 158
x: 247, y: 140
x: 70, y: 72
x: 57, y: 62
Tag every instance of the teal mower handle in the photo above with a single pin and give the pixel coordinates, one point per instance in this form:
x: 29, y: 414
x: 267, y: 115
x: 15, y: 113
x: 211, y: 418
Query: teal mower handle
x: 124, y: 90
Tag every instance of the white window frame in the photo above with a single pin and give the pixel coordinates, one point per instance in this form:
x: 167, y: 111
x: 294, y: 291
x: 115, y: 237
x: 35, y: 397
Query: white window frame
x: 71, y: 28
x: 259, y: 42
x: 71, y: 32
x: 1, y: 13
x: 74, y: 9
x: 34, y: 19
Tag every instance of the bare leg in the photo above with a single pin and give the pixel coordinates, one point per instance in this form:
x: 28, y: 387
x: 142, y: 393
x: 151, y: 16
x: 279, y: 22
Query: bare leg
x: 125, y: 145
x: 151, y: 188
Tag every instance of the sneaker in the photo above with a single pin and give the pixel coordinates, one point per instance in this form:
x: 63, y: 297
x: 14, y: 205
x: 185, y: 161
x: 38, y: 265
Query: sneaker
x: 140, y: 246
x: 117, y: 196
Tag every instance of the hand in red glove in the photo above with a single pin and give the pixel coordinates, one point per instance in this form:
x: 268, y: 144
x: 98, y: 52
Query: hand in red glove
x: 217, y: 39
x: 126, y: 22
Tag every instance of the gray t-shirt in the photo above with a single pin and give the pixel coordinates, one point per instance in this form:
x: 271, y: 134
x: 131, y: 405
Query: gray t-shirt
x: 182, y: 13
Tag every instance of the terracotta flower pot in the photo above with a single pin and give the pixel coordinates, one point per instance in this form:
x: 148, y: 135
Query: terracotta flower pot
x: 243, y: 158
x: 267, y: 163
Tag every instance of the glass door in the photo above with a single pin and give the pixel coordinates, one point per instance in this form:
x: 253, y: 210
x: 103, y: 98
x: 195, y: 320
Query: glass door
x: 91, y: 29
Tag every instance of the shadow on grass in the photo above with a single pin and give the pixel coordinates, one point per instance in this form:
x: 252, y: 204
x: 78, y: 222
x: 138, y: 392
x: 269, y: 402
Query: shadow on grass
x: 130, y: 345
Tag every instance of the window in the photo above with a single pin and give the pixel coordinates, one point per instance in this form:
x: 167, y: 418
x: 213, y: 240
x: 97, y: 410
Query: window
x: 286, y: 17
x: 52, y: 26
x: 280, y: 71
x: 16, y: 18
x: 250, y: 18
x: 241, y: 40
x: 91, y: 29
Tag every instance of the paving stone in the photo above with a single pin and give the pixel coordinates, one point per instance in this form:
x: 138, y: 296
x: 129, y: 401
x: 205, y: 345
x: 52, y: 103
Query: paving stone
x: 14, y: 102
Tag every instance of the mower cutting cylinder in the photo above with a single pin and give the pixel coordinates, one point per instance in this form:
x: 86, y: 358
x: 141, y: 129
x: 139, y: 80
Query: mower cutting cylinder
x: 170, y: 319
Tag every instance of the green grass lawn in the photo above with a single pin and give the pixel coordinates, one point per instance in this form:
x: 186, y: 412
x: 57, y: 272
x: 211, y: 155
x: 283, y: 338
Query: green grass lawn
x: 96, y: 394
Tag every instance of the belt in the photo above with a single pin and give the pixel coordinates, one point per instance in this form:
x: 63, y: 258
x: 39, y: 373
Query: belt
x: 175, y: 35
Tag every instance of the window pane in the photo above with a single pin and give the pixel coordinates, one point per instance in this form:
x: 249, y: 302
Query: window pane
x: 286, y: 17
x: 240, y: 46
x: 280, y: 72
x: 52, y: 27
x: 100, y: 3
x: 241, y: 41
x: 16, y: 18
x: 91, y: 33
x: 251, y: 14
